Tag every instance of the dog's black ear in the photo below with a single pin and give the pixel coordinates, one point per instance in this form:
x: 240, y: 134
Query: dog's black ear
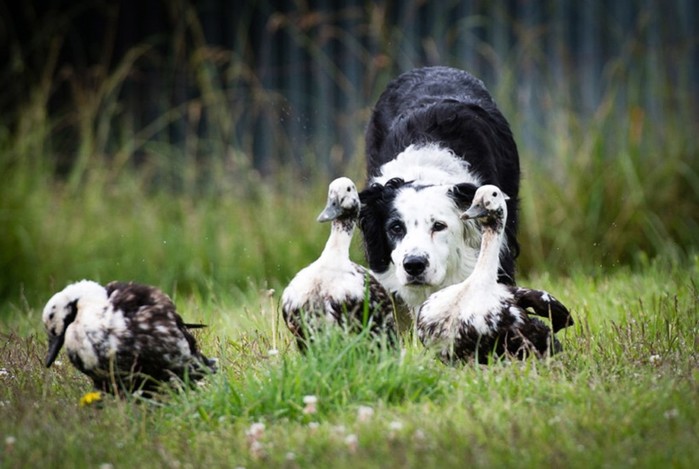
x: 463, y: 194
x: 372, y: 218
x: 395, y: 183
x: 371, y: 194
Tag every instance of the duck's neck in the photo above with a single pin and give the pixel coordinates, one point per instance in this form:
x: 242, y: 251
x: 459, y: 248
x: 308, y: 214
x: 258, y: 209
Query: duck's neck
x: 339, y: 241
x: 488, y: 263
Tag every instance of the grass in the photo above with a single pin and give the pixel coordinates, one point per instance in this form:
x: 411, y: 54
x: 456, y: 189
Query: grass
x: 584, y: 212
x: 623, y: 393
x: 89, y: 193
x: 608, y: 225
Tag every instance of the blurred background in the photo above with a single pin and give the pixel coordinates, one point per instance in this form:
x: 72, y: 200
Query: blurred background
x: 189, y: 143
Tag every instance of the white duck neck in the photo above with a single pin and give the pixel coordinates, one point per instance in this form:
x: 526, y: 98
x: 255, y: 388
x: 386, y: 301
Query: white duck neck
x: 486, y: 268
x: 339, y: 241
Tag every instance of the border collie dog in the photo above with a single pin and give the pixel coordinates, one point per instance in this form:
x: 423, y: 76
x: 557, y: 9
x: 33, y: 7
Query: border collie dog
x: 434, y: 137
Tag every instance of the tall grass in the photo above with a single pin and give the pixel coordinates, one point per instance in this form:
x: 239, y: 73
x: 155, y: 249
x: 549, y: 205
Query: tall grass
x: 340, y: 371
x: 194, y: 215
x: 609, y: 195
x: 118, y: 226
x: 623, y: 393
x: 618, y: 183
x: 608, y: 225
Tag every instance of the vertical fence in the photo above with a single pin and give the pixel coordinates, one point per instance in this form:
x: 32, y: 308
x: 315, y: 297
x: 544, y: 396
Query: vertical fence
x: 292, y: 82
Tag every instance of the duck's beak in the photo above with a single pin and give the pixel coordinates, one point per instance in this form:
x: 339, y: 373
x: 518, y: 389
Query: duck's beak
x: 55, y: 344
x: 474, y: 212
x: 330, y: 212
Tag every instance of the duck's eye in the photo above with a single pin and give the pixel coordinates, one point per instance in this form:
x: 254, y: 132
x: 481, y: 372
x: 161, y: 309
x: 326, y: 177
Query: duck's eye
x: 495, y: 194
x: 349, y: 189
x: 439, y: 226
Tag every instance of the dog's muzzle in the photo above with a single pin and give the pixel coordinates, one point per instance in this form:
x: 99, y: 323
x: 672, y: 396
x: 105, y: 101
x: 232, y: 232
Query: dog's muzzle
x: 415, y: 266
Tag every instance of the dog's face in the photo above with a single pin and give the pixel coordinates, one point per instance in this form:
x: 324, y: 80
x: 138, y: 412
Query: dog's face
x: 423, y: 231
x: 414, y: 238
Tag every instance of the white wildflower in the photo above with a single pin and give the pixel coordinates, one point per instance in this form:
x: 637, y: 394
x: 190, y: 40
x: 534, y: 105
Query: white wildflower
x: 339, y: 429
x: 671, y: 414
x: 365, y: 413
x: 395, y: 426
x: 352, y: 442
x: 255, y: 431
x: 310, y: 404
x: 257, y: 450
x: 655, y: 359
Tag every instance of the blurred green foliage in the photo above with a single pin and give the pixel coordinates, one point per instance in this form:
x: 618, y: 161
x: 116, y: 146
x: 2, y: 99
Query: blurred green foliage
x: 86, y: 193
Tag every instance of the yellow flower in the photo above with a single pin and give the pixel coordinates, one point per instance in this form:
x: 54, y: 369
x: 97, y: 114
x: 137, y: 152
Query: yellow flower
x: 91, y: 398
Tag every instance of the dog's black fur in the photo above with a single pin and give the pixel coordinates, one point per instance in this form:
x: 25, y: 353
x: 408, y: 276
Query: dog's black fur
x: 452, y: 108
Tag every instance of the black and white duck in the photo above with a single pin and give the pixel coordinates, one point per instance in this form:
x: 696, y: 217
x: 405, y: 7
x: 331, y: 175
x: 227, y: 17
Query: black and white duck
x: 480, y: 317
x: 125, y: 336
x: 333, y: 289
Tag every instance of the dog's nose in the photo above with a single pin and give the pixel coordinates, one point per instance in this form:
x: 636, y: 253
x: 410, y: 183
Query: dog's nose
x: 415, y: 265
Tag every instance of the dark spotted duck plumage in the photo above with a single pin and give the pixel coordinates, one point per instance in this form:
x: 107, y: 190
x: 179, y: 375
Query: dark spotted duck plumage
x: 479, y: 317
x: 333, y: 290
x: 126, y: 337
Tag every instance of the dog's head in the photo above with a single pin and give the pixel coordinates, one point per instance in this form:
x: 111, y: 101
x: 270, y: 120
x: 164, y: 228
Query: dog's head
x: 413, y: 237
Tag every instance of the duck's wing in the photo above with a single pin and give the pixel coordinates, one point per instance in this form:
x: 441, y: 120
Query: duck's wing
x: 532, y: 336
x: 543, y: 304
x: 295, y: 307
x: 380, y: 301
x: 295, y: 320
x: 135, y: 298
x: 131, y: 297
x: 156, y: 330
x: 190, y: 325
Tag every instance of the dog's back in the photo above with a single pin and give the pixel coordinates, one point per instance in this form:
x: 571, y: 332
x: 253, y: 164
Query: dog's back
x: 435, y: 93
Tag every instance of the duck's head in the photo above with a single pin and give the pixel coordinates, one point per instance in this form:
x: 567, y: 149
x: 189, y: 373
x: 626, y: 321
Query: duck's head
x: 343, y: 201
x: 61, y: 310
x: 489, y: 207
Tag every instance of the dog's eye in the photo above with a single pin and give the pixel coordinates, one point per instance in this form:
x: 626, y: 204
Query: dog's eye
x: 439, y: 226
x: 396, y: 228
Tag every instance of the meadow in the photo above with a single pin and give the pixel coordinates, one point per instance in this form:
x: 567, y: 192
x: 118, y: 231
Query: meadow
x: 624, y: 392
x: 609, y: 225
